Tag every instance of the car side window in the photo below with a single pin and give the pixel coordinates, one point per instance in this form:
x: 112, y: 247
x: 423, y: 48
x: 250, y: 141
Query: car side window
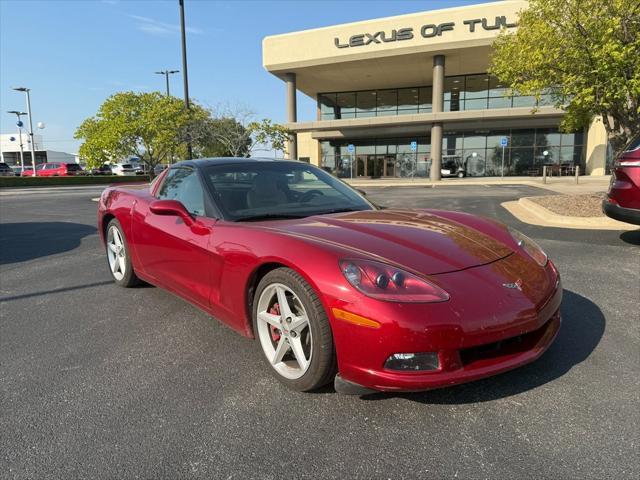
x: 183, y: 185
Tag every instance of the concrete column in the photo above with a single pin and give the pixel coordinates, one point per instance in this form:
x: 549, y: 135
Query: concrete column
x: 292, y: 113
x: 596, y: 148
x: 437, y: 102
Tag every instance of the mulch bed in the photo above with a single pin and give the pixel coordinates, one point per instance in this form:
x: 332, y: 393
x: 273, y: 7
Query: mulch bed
x: 587, y: 205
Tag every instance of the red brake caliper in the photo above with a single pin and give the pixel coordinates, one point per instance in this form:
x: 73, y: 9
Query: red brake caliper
x: 275, y: 333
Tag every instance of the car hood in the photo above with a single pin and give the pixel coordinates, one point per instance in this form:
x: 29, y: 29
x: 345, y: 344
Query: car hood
x: 417, y: 240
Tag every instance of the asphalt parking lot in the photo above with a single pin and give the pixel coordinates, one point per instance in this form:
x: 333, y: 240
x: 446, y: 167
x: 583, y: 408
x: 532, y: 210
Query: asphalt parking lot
x: 102, y: 382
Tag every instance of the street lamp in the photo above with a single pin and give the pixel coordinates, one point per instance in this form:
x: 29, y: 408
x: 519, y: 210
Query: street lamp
x: 19, y: 124
x: 33, y: 151
x: 185, y: 77
x: 166, y: 74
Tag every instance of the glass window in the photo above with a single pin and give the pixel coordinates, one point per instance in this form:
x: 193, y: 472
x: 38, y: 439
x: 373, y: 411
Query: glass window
x: 476, y: 86
x: 497, y: 88
x: 524, y: 101
x: 475, y: 104
x: 499, y: 102
x: 346, y: 105
x: 387, y: 102
x: 425, y: 99
x: 474, y: 162
x: 366, y: 103
x: 547, y: 136
x: 568, y: 139
x: 475, y: 141
x: 183, y: 185
x: 453, y: 93
x: 452, y: 143
x: 328, y: 106
x: 381, y: 147
x: 522, y: 138
x: 522, y: 162
x: 365, y: 148
x: 408, y: 100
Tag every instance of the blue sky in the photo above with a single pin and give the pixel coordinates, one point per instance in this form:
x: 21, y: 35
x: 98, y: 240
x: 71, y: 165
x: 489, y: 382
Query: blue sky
x: 74, y: 54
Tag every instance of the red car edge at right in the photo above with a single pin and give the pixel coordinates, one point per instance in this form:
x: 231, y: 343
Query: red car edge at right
x: 623, y: 198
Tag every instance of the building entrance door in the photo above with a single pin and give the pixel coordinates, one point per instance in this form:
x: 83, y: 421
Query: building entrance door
x: 375, y: 166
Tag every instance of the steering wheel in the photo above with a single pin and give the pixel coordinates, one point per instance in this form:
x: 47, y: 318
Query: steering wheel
x: 307, y: 196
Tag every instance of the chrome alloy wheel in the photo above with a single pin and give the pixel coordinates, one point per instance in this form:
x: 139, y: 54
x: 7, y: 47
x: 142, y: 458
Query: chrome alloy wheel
x: 116, y: 253
x: 284, y: 331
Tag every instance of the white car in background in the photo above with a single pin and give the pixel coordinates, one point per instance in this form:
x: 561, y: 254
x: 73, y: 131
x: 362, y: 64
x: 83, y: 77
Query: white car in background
x: 123, y: 169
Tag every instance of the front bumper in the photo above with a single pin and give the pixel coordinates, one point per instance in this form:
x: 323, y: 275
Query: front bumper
x: 477, y: 335
x: 467, y: 365
x: 627, y: 215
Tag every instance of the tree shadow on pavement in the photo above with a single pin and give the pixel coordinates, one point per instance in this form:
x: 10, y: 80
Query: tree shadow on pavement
x: 21, y: 242
x: 583, y: 325
x: 631, y: 236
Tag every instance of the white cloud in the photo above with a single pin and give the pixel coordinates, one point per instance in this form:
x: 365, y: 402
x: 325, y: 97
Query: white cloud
x: 156, y: 27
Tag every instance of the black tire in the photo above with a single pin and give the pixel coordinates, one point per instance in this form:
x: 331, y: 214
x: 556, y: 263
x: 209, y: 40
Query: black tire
x: 129, y: 279
x: 323, y: 364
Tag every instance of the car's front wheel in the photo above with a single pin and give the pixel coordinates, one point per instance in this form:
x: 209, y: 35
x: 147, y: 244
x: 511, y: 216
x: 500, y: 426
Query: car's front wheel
x: 118, y: 256
x: 293, y: 331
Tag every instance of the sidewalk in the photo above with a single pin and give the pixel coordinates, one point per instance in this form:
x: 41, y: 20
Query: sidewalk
x: 4, y: 192
x: 565, y: 185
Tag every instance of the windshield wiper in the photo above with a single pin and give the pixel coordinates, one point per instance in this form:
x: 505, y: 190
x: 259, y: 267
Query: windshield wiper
x: 268, y: 216
x: 339, y: 210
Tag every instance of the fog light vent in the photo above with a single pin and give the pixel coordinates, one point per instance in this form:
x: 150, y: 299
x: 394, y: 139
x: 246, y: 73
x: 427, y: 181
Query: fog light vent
x: 412, y: 361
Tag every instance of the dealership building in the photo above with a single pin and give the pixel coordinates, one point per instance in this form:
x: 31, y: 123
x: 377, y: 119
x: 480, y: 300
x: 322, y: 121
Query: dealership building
x: 395, y: 93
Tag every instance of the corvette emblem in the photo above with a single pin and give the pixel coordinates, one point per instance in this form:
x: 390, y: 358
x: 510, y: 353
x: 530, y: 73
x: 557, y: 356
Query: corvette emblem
x: 517, y: 285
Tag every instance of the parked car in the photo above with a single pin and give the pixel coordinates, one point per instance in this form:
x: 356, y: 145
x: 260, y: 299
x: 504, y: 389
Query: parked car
x: 331, y: 287
x: 55, y: 169
x: 623, y: 198
x: 140, y: 168
x: 104, y: 169
x: 6, y: 170
x: 123, y: 169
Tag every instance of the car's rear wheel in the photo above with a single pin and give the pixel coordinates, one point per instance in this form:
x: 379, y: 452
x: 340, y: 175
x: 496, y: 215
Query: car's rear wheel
x: 293, y: 331
x: 118, y: 257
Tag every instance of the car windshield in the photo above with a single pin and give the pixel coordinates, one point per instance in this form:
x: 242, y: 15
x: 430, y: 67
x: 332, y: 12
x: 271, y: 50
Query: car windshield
x: 274, y: 190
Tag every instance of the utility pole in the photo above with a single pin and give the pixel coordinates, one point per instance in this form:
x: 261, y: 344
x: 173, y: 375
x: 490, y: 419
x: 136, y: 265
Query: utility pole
x: 19, y: 124
x: 166, y: 74
x: 185, y: 76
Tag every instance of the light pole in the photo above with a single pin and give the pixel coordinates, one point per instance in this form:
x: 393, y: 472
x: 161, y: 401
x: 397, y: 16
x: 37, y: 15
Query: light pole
x: 19, y: 124
x: 33, y: 151
x: 166, y: 74
x: 185, y: 77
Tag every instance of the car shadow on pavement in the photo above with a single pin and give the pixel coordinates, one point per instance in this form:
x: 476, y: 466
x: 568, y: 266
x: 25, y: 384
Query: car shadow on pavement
x: 631, y: 236
x: 26, y: 241
x: 583, y: 325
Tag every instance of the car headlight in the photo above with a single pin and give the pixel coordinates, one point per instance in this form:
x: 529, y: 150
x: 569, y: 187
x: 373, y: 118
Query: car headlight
x: 384, y: 282
x: 530, y: 247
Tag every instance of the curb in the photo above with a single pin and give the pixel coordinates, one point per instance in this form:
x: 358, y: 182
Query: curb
x: 530, y: 212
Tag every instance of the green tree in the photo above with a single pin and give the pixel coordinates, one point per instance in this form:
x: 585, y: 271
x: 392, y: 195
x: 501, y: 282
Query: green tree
x: 226, y: 137
x: 150, y: 126
x: 265, y: 132
x: 233, y: 133
x: 585, y: 53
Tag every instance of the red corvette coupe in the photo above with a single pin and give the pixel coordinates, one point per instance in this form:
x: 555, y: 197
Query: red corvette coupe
x: 331, y: 286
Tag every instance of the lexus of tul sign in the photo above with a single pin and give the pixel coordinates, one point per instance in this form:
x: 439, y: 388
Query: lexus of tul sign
x: 426, y: 31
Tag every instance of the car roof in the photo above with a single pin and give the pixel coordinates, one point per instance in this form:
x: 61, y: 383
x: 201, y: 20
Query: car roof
x: 205, y: 162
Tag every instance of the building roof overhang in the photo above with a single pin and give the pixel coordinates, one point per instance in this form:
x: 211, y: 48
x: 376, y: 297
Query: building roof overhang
x: 390, y: 52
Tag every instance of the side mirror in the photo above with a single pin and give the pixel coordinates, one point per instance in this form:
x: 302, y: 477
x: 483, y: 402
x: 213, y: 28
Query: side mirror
x: 171, y: 208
